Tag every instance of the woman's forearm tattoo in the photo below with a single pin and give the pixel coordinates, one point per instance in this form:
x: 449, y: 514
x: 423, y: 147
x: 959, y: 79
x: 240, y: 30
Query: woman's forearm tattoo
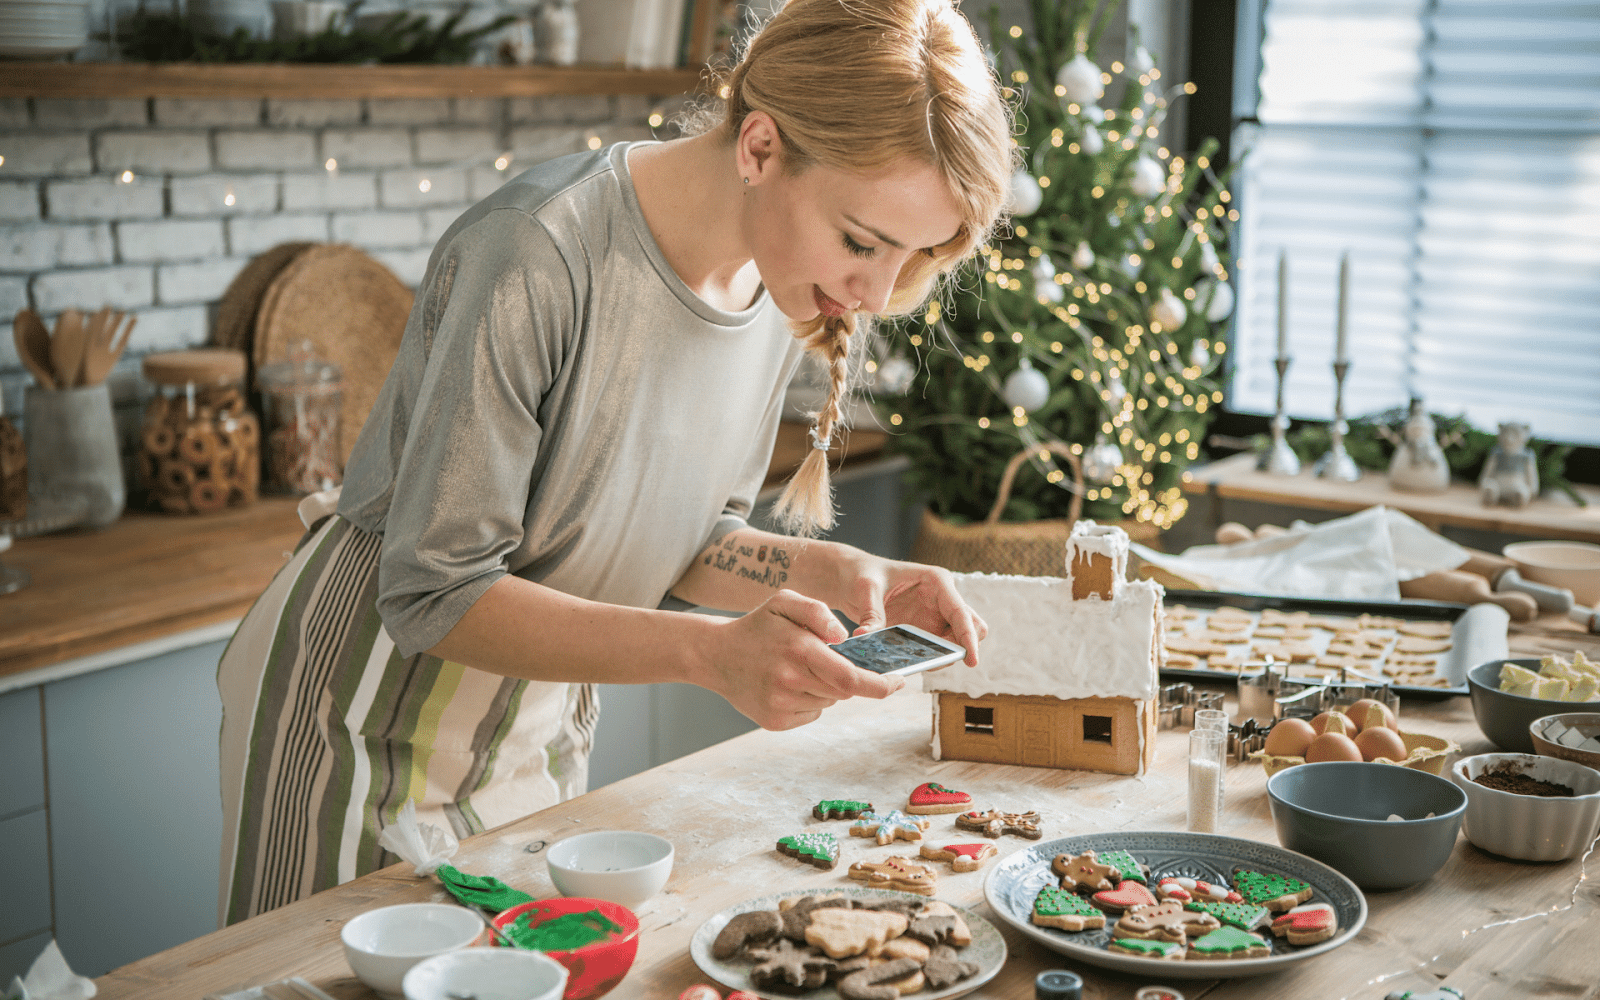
x: 767, y: 565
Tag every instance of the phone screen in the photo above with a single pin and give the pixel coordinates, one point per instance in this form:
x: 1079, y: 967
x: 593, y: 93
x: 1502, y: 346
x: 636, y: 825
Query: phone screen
x: 889, y: 649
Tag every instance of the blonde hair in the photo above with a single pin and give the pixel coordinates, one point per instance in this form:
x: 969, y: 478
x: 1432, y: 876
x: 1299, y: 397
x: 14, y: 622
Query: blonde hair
x: 860, y: 85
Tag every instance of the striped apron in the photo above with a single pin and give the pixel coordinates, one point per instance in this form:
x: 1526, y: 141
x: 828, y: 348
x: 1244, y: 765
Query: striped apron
x: 327, y: 731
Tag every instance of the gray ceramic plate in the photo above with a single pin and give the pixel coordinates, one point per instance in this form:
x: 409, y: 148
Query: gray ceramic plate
x: 1015, y: 881
x: 988, y: 948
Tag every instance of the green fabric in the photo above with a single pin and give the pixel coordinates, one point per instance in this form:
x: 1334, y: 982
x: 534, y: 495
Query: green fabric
x: 481, y: 890
x: 567, y: 932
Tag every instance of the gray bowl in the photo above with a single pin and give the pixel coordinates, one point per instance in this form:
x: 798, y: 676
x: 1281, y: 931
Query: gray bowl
x: 1505, y: 718
x: 1337, y: 812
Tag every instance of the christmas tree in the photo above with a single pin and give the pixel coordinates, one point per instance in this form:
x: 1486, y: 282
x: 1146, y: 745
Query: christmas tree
x: 1096, y: 323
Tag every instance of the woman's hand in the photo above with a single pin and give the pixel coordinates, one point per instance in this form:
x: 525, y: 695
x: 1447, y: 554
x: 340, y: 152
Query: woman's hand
x: 774, y: 664
x: 880, y: 592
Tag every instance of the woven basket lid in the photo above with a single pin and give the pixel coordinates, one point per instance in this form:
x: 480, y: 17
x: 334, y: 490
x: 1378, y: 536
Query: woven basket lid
x: 202, y: 366
x: 236, y: 313
x: 353, y: 311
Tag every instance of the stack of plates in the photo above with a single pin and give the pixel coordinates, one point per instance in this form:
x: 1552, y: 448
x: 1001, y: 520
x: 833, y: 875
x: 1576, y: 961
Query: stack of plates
x: 41, y: 29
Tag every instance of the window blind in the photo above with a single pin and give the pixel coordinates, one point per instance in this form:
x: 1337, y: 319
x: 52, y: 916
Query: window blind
x: 1452, y: 149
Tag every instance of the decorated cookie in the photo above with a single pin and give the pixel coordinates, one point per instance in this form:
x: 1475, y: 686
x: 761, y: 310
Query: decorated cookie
x: 962, y: 857
x: 845, y: 933
x: 1127, y: 865
x: 1125, y: 896
x: 820, y: 849
x: 1245, y: 916
x: 1066, y: 910
x: 932, y: 797
x: 1276, y: 892
x: 1307, y: 924
x: 994, y: 823
x: 1183, y: 889
x: 945, y: 967
x: 784, y: 963
x: 1167, y: 921
x: 743, y: 929
x: 873, y: 982
x: 1084, y: 872
x: 840, y: 809
x: 901, y: 873
x: 1169, y: 951
x: 888, y: 826
x: 1228, y: 942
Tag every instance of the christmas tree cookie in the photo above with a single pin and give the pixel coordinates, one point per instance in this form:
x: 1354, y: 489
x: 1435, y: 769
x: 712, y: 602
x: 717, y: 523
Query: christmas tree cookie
x: 1069, y: 911
x: 1276, y: 892
x: 1245, y: 916
x: 820, y: 849
x: 1228, y: 942
x: 1169, y: 951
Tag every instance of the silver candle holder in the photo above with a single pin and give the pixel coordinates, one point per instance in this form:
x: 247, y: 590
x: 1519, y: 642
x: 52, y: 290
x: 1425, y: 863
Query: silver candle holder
x: 1279, y: 458
x: 1337, y: 463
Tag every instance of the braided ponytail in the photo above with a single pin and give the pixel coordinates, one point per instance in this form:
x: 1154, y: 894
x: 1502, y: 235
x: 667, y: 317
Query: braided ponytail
x: 806, y: 505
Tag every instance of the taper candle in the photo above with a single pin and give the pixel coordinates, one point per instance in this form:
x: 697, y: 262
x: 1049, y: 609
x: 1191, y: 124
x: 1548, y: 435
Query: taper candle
x: 1341, y: 350
x: 1283, y: 303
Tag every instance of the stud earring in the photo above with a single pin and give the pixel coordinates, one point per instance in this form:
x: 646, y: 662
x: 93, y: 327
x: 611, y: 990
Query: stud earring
x: 745, y: 179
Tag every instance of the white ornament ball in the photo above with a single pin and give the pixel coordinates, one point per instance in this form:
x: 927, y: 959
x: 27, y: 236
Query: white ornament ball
x: 1168, y: 310
x: 894, y: 376
x: 1208, y: 257
x: 1100, y: 460
x: 1199, y: 356
x: 1142, y: 60
x: 1083, y: 257
x: 1148, y: 178
x: 1092, y: 143
x: 1026, y: 195
x: 1044, y: 280
x: 1049, y: 291
x: 1080, y: 81
x: 1026, y: 387
x: 1218, y: 299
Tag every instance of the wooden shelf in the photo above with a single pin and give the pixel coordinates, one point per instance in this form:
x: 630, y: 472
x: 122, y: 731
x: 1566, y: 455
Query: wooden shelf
x: 304, y: 80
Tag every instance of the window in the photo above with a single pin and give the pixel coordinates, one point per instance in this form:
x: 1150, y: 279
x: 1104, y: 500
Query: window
x: 1452, y: 149
x: 980, y: 721
x: 1097, y: 729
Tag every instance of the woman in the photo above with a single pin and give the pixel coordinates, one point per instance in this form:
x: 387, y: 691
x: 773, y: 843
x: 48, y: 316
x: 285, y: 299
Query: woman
x: 582, y: 410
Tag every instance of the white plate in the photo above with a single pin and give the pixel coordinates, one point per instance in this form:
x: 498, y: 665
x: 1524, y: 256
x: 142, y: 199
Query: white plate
x: 988, y: 948
x: 1014, y: 882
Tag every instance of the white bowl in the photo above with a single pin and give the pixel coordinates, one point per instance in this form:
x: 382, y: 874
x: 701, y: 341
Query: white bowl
x: 382, y: 945
x: 1573, y: 565
x: 489, y: 974
x: 622, y: 866
x: 1529, y: 827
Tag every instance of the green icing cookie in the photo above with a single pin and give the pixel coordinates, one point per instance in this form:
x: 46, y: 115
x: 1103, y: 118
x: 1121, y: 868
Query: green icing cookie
x: 1248, y: 916
x: 840, y: 809
x: 820, y: 849
x: 1124, y: 863
x: 1053, y: 902
x: 1259, y: 887
x: 1148, y: 948
x: 1228, y: 941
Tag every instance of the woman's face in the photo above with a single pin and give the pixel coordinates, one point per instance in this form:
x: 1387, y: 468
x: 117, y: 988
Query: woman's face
x: 826, y: 241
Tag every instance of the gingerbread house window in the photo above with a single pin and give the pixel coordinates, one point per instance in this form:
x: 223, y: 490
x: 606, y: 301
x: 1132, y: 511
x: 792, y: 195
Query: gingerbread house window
x: 980, y: 721
x: 1097, y: 729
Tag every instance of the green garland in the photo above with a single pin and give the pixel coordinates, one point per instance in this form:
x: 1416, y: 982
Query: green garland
x: 403, y: 38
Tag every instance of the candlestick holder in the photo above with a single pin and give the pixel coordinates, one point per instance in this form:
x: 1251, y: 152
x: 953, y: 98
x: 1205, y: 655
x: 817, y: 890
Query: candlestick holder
x: 1279, y: 458
x: 1337, y: 463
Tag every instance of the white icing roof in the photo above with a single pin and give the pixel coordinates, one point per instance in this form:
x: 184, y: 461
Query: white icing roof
x: 1042, y: 642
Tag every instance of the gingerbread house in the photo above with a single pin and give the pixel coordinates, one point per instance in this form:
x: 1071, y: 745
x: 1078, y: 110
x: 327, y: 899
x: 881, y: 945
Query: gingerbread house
x: 1068, y: 674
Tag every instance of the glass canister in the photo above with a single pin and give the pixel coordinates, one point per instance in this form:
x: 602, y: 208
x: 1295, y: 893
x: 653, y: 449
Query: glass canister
x: 200, y: 445
x: 301, y: 399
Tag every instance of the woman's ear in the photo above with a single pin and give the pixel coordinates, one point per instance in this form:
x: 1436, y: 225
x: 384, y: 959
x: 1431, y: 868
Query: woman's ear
x: 760, y: 147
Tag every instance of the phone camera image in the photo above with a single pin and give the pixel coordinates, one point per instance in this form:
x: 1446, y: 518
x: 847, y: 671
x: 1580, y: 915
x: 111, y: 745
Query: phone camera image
x: 897, y: 650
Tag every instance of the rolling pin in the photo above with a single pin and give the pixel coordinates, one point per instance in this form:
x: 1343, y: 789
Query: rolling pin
x: 1461, y: 587
x: 1503, y: 577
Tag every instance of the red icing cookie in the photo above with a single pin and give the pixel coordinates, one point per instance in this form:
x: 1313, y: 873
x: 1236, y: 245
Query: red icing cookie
x: 932, y: 797
x: 962, y: 857
x: 1307, y: 924
x: 1125, y: 896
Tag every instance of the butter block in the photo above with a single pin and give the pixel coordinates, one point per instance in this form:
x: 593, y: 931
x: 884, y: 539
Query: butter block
x: 1521, y: 690
x: 1512, y: 676
x: 1550, y: 688
x: 1592, y: 744
x: 1568, y: 738
x: 1583, y: 689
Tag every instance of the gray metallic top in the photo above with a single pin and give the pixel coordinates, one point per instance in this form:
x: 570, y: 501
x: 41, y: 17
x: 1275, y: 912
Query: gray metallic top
x: 563, y: 407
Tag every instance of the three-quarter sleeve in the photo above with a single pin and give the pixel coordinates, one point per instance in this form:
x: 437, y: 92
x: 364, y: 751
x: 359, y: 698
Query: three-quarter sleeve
x: 456, y: 428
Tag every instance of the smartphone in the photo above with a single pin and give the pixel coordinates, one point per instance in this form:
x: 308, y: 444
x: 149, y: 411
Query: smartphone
x: 899, y: 649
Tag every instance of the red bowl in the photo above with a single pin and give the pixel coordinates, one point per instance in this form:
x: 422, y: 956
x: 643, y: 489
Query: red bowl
x: 596, y: 968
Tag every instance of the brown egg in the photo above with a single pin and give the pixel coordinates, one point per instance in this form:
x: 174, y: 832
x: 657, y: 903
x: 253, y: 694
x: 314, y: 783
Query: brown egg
x: 1358, y: 714
x: 1381, y: 741
x: 1332, y: 746
x: 1319, y: 724
x: 1289, y: 738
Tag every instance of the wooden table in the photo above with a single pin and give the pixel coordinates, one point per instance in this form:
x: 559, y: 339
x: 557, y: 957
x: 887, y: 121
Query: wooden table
x: 1551, y: 516
x: 1491, y: 928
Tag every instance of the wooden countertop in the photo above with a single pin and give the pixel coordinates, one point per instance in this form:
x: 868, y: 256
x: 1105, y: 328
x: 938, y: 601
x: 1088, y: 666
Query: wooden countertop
x: 150, y: 575
x: 1489, y: 927
x: 1551, y: 516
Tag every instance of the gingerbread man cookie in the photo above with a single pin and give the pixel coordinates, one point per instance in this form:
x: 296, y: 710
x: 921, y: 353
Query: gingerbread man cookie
x: 901, y: 873
x: 888, y: 826
x: 1167, y: 921
x: 1084, y: 872
x: 994, y: 823
x: 962, y: 857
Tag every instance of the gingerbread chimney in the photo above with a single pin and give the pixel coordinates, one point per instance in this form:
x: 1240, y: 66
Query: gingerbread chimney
x: 1097, y: 560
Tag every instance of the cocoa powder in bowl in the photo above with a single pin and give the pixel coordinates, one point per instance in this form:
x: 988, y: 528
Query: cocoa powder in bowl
x: 1505, y: 779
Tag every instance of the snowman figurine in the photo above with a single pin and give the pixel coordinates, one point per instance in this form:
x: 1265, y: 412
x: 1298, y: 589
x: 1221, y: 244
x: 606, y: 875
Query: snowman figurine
x: 1510, y: 474
x: 1418, y: 465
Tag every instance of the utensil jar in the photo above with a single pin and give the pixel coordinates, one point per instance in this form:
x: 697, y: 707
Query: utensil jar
x: 199, y: 447
x: 72, y: 450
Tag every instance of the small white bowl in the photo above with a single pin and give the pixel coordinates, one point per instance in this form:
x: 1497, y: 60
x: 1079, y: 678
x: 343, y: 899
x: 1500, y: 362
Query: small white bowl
x: 382, y: 945
x: 623, y: 866
x: 1530, y: 827
x: 1573, y: 565
x: 498, y: 973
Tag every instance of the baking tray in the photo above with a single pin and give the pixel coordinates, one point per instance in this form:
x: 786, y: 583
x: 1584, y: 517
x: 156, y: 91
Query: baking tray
x: 1477, y: 634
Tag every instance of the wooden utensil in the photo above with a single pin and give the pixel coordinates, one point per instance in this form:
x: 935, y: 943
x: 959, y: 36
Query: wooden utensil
x: 33, y: 346
x: 1468, y: 588
x: 66, y: 348
x: 106, y: 341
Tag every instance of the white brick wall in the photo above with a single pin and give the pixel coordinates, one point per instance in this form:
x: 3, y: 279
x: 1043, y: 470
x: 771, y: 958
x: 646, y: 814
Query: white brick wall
x: 249, y: 235
x: 329, y: 190
x: 254, y: 194
x: 386, y: 230
x: 19, y: 201
x: 45, y: 247
x: 119, y: 287
x: 368, y: 147
x: 200, y: 281
x: 159, y: 151
x: 192, y: 113
x: 265, y: 149
x: 30, y: 154
x: 103, y: 198
x: 169, y: 239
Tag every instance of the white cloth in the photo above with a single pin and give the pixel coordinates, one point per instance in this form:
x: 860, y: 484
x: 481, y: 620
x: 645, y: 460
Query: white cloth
x: 50, y: 978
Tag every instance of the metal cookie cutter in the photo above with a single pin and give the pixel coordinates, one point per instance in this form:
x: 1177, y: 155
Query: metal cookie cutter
x: 1270, y: 695
x: 1246, y: 738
